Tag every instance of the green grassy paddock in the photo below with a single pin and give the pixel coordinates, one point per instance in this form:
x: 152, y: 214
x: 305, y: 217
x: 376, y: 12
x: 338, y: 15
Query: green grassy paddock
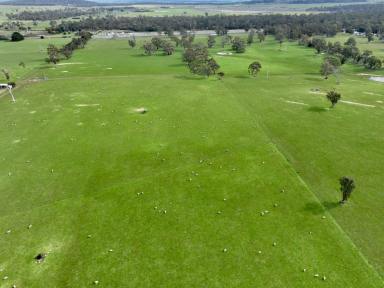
x: 76, y: 157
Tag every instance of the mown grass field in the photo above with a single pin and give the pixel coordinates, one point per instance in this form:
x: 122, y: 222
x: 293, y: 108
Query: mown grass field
x: 173, y: 197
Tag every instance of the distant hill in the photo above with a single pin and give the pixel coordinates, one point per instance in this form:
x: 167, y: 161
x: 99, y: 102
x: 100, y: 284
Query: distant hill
x: 80, y: 3
x: 116, y: 2
x: 85, y: 3
x: 304, y: 1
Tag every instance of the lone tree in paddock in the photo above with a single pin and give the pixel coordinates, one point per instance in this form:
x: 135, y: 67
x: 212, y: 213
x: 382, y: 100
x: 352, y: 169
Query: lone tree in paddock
x: 157, y: 42
x: 168, y: 48
x: 195, y: 52
x: 251, y: 36
x: 199, y: 62
x: 213, y: 66
x: 175, y: 39
x: 319, y: 44
x: 333, y: 97
x: 261, y: 36
x: 66, y: 51
x: 254, y: 68
x: 225, y: 40
x: 280, y: 37
x: 373, y: 63
x: 16, y: 37
x: 204, y: 67
x: 53, y: 54
x: 132, y: 42
x: 238, y: 45
x: 149, y: 48
x: 346, y: 187
x: 350, y: 42
x: 370, y: 37
x: 211, y: 41
x: 330, y: 65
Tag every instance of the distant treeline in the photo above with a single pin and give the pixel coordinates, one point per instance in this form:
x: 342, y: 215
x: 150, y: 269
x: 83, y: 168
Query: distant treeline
x: 80, y: 3
x: 292, y: 26
x: 49, y: 15
x: 355, y: 8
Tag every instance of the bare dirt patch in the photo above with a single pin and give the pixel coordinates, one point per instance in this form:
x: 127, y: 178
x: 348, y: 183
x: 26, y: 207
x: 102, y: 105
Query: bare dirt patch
x: 377, y: 79
x: 141, y: 110
x: 71, y: 63
x: 297, y: 103
x: 371, y: 93
x: 224, y: 53
x: 87, y: 105
x: 316, y: 91
x: 357, y: 104
x: 40, y: 257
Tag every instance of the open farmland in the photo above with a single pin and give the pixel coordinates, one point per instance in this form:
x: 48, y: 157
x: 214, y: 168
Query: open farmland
x: 230, y: 182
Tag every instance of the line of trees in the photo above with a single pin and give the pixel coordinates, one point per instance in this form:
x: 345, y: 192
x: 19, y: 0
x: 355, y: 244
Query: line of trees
x: 336, y: 54
x: 56, y: 54
x: 196, y: 55
x: 292, y: 26
x: 361, y: 8
x: 69, y: 12
x: 47, y: 15
x: 156, y: 44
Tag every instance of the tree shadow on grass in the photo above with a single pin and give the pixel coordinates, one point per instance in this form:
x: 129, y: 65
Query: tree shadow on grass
x: 330, y: 205
x: 190, y: 77
x: 176, y: 65
x: 242, y: 77
x: 317, y: 109
x: 140, y: 55
x: 45, y: 66
x: 317, y: 208
x: 314, y: 208
x: 313, y: 79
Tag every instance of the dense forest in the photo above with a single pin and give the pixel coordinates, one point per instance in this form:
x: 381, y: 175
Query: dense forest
x: 291, y: 26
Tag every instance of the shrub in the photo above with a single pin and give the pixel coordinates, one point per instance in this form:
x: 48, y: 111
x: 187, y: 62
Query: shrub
x: 16, y: 36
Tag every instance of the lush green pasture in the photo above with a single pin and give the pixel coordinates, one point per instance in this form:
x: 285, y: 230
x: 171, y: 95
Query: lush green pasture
x: 31, y: 52
x: 173, y: 197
